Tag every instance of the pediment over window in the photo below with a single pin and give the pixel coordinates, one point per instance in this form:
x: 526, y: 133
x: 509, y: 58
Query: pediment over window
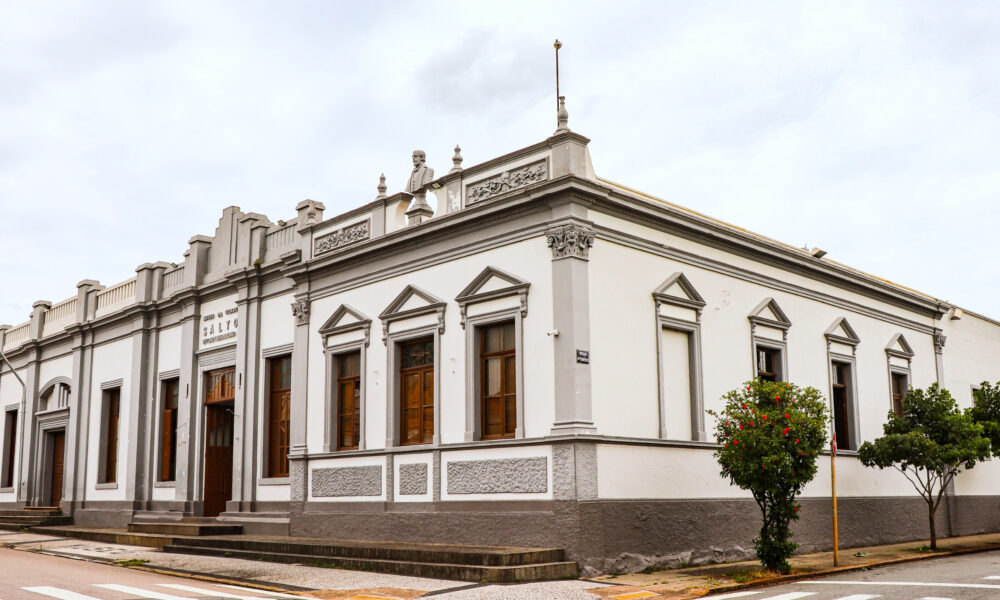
x: 841, y: 332
x: 678, y: 291
x: 344, y: 320
x: 492, y: 284
x: 899, y: 347
x: 55, y: 394
x: 412, y: 302
x: 769, y: 314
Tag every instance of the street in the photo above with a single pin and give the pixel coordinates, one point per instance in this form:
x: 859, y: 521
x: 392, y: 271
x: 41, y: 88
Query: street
x: 973, y: 576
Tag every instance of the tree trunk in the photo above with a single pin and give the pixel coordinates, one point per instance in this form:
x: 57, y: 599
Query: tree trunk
x: 930, y: 514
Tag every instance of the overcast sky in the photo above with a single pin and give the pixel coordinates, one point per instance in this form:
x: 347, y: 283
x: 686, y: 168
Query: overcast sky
x: 869, y: 129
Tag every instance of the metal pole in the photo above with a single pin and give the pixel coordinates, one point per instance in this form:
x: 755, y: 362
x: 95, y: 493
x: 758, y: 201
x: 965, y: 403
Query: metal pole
x: 833, y: 485
x: 557, y: 46
x: 20, y: 426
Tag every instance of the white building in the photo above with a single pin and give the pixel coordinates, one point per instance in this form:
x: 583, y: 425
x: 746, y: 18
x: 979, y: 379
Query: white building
x: 530, y: 365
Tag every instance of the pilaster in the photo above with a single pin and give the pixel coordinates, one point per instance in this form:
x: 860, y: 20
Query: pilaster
x: 78, y: 431
x: 939, y: 340
x: 246, y: 465
x: 186, y: 484
x: 300, y: 379
x: 570, y: 239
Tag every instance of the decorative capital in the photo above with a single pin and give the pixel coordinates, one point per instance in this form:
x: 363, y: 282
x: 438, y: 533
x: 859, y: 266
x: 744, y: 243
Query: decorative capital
x: 300, y: 310
x: 570, y: 241
x: 939, y: 340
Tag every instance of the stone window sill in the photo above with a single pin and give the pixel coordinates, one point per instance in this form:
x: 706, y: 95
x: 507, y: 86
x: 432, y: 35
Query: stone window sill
x: 6, y: 489
x: 274, y: 481
x: 164, y: 484
x: 106, y: 486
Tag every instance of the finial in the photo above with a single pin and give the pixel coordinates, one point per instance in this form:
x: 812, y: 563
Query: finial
x: 381, y: 187
x: 456, y: 160
x: 557, y: 46
x: 562, y: 116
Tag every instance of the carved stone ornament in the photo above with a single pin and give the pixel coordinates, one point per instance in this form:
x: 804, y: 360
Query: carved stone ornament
x: 342, y: 237
x: 507, y: 181
x: 570, y: 241
x: 939, y: 340
x: 300, y: 310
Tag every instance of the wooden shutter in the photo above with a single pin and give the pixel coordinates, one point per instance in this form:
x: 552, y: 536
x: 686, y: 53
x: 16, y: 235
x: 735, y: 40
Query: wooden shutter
x: 111, y: 449
x: 498, y: 379
x: 278, y: 416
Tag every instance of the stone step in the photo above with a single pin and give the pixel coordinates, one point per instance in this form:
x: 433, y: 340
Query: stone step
x: 36, y: 519
x: 460, y: 572
x: 186, y: 528
x: 110, y: 536
x: 497, y: 556
x: 32, y: 513
x: 43, y: 508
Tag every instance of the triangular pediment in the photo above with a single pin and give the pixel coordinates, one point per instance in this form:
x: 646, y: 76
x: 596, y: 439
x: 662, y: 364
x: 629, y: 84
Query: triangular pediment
x: 770, y: 314
x: 842, y: 332
x: 345, y: 317
x: 411, y: 300
x: 492, y: 281
x: 677, y: 290
x: 898, y: 346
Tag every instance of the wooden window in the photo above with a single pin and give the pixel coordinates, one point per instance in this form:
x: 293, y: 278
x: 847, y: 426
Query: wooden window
x: 416, y: 375
x: 899, y: 389
x: 9, y: 447
x: 768, y: 364
x: 220, y: 386
x: 348, y: 400
x: 279, y: 399
x: 168, y: 430
x: 842, y: 404
x: 498, y: 378
x: 112, y: 406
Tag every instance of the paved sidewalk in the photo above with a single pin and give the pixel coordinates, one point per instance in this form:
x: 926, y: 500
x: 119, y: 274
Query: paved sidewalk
x: 698, y: 581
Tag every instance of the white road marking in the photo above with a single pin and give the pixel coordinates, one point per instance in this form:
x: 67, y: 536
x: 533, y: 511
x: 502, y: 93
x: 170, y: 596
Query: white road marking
x: 978, y: 586
x: 55, y: 592
x: 262, y: 592
x: 992, y: 577
x: 215, y: 594
x: 860, y: 597
x: 790, y: 596
x: 734, y: 595
x: 139, y: 592
x: 934, y: 598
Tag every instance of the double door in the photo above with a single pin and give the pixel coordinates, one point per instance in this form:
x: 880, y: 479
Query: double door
x: 219, y: 397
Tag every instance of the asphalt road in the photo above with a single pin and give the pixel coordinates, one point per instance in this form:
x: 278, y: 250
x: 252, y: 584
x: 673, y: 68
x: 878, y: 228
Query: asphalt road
x: 968, y: 577
x: 33, y: 576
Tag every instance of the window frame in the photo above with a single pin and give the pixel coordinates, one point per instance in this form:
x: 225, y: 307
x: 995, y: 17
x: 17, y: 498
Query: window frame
x: 780, y: 323
x: 473, y: 374
x: 781, y: 365
x: 8, y: 468
x: 904, y: 352
x: 853, y: 422
x: 107, y: 469
x: 905, y: 374
x: 332, y: 429
x: 394, y: 340
x: 269, y: 365
x: 165, y: 382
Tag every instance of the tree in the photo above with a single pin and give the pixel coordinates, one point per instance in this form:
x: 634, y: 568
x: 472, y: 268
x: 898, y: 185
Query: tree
x: 986, y: 412
x: 770, y: 434
x: 929, y: 443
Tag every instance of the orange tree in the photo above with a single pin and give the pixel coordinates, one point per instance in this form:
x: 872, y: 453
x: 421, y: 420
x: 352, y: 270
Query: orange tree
x: 769, y: 436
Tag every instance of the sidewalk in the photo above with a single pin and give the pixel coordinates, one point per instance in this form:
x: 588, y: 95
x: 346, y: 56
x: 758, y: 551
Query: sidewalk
x: 693, y: 582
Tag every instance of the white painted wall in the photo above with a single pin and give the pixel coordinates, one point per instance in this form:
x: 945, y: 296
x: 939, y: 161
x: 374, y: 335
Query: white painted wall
x: 111, y: 361
x: 530, y: 260
x: 971, y: 355
x: 277, y: 325
x: 55, y: 367
x: 10, y: 395
x: 168, y: 355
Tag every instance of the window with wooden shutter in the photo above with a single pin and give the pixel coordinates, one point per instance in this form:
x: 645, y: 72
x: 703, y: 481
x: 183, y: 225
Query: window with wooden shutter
x: 498, y: 378
x: 168, y: 431
x: 112, y: 406
x: 899, y: 389
x: 416, y: 378
x: 348, y: 400
x: 9, y: 447
x: 279, y: 399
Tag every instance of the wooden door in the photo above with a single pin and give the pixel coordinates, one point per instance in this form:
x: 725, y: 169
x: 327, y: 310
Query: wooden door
x: 417, y: 392
x: 58, y: 454
x: 218, y: 458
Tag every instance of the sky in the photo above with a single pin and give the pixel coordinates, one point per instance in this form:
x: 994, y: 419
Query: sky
x: 868, y: 129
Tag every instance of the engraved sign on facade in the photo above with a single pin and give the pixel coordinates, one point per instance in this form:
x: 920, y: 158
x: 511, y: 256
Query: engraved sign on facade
x: 219, y: 326
x: 342, y: 237
x: 507, y: 181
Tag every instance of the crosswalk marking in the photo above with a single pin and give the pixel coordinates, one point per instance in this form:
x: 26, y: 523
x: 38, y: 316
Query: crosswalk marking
x: 735, y: 595
x: 934, y: 598
x: 265, y: 592
x: 55, y: 592
x: 978, y: 586
x: 791, y: 596
x: 139, y: 592
x: 215, y: 593
x: 859, y: 597
x: 992, y: 577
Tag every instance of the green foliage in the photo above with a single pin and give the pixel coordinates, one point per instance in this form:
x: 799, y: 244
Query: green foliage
x: 770, y: 435
x: 986, y: 412
x: 929, y: 443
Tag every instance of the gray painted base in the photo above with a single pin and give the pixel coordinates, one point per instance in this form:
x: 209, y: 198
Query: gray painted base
x: 628, y: 536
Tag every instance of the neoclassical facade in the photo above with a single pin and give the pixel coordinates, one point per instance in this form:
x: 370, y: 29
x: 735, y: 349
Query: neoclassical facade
x: 528, y: 363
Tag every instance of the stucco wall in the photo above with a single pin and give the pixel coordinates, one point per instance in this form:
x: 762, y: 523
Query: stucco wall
x: 112, y: 361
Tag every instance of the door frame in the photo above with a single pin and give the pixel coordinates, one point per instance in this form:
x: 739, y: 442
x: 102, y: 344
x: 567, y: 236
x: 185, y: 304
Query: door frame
x: 202, y: 453
x: 48, y: 422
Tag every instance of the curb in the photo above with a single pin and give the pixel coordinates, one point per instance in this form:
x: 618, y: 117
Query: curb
x: 837, y: 570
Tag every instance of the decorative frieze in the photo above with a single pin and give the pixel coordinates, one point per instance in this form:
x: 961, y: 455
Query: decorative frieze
x: 570, y: 241
x: 342, y: 237
x: 347, y: 481
x: 506, y: 181
x: 499, y: 476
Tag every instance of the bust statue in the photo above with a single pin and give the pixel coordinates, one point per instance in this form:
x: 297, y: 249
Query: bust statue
x: 421, y: 175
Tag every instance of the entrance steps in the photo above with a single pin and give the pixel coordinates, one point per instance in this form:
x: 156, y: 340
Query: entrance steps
x: 441, y: 561
x: 186, y: 526
x: 32, y: 516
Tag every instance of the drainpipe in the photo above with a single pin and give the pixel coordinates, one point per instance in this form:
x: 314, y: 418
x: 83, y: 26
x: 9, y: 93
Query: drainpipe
x: 20, y: 425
